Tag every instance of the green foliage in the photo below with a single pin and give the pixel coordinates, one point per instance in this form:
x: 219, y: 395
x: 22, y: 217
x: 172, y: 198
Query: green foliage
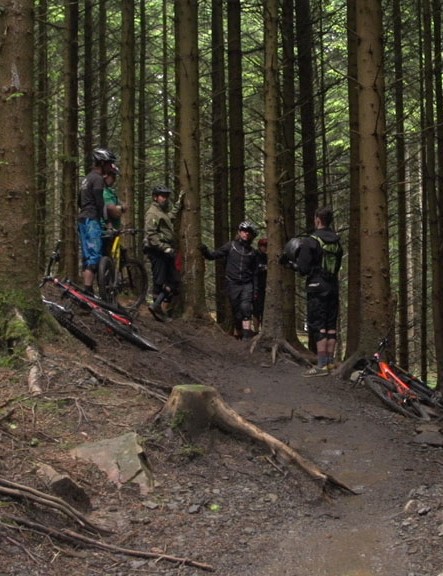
x: 16, y: 331
x: 178, y: 421
x: 191, y: 451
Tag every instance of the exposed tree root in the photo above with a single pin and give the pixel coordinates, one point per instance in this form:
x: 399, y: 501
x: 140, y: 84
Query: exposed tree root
x: 201, y: 406
x: 20, y: 338
x: 280, y: 345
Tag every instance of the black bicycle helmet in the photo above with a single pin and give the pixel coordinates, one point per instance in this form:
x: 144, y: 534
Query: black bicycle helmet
x: 100, y: 155
x: 292, y: 248
x: 247, y: 226
x: 161, y: 190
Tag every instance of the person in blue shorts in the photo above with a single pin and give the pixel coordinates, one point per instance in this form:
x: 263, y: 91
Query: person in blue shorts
x: 92, y: 211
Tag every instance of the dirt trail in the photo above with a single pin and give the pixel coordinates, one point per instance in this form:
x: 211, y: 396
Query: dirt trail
x: 267, y: 520
x: 346, y: 432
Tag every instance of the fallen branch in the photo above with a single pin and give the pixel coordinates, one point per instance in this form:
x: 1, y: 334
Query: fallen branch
x: 21, y: 492
x: 75, y: 538
x: 162, y: 387
x: 138, y: 387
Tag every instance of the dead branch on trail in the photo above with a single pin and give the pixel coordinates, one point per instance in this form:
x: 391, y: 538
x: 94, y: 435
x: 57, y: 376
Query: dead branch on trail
x: 78, y: 539
x: 138, y: 387
x: 21, y: 492
x: 203, y: 405
x: 163, y: 387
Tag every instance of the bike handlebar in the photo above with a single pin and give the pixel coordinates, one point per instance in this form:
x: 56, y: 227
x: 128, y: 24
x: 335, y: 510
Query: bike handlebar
x: 121, y: 232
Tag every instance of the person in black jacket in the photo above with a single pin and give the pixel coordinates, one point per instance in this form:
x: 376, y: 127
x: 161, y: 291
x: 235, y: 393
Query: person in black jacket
x: 318, y: 257
x: 240, y: 272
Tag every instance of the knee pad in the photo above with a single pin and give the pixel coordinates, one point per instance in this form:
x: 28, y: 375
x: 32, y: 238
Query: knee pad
x: 246, y: 310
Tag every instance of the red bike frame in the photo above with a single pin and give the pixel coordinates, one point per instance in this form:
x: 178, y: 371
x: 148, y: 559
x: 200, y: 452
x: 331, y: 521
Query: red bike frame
x: 385, y: 371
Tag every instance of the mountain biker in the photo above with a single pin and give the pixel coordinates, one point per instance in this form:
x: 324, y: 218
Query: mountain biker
x: 308, y: 256
x: 92, y: 210
x: 160, y: 245
x: 241, y: 271
x: 113, y: 207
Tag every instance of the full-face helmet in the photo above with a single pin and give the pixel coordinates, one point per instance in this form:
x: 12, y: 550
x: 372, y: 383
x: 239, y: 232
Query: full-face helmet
x: 292, y: 248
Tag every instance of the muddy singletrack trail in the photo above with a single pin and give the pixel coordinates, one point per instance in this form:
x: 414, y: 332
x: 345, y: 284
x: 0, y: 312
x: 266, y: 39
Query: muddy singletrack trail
x: 221, y: 499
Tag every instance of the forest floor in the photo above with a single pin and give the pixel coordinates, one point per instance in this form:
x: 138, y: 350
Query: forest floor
x: 219, y: 503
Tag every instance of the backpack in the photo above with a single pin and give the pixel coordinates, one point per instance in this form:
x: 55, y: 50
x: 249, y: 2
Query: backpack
x: 332, y: 253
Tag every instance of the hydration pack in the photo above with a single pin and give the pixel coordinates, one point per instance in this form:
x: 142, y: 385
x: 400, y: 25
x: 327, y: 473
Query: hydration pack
x: 332, y: 253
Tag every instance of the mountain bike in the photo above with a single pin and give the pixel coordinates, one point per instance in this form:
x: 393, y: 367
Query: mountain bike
x: 65, y: 318
x: 121, y: 280
x: 118, y: 321
x: 399, y: 390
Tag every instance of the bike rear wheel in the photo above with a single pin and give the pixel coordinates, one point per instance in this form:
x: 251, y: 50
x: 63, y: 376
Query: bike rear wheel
x: 133, y: 284
x: 105, y: 280
x: 427, y: 395
x: 64, y: 318
x: 389, y: 395
x: 128, y: 332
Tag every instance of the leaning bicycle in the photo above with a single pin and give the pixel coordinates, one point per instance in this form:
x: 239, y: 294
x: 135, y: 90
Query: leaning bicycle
x: 400, y: 390
x: 121, y: 280
x: 116, y: 320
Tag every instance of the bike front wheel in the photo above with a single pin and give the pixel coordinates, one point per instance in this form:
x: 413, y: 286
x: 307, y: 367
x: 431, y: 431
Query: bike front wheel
x: 65, y: 320
x: 105, y: 280
x: 133, y: 284
x: 126, y: 331
x: 393, y: 399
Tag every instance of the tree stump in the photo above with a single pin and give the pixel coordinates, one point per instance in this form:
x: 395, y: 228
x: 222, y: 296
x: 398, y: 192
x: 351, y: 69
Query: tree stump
x: 194, y: 408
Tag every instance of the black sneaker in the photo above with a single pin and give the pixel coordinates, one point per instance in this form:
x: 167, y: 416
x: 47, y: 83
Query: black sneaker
x: 248, y: 335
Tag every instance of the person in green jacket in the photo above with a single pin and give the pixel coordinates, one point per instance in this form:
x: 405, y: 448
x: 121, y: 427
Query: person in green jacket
x: 160, y: 245
x: 113, y: 209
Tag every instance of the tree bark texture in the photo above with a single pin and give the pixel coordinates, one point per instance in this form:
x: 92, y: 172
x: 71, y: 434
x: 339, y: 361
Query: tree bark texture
x: 189, y: 132
x: 273, y: 314
x: 376, y: 311
x: 18, y: 245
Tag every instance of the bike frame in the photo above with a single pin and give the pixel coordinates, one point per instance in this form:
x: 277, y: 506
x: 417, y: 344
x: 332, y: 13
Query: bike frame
x: 90, y: 302
x: 116, y: 254
x: 385, y: 371
x: 76, y: 293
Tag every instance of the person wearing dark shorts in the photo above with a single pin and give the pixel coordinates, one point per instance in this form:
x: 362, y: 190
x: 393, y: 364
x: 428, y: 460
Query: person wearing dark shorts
x: 318, y: 258
x: 241, y: 276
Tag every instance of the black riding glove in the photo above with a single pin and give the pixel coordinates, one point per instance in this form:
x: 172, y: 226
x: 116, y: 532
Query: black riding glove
x: 204, y: 250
